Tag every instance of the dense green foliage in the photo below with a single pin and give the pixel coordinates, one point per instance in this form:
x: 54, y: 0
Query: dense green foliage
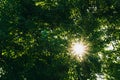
x: 35, y: 36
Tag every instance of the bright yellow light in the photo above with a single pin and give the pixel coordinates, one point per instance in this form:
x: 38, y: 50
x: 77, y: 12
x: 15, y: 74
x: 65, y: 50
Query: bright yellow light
x: 79, y: 49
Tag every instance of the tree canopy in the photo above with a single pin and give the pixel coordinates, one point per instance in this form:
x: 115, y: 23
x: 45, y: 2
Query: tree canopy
x: 36, y: 36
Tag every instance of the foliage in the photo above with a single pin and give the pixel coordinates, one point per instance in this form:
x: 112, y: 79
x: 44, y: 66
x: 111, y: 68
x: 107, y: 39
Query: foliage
x: 35, y: 36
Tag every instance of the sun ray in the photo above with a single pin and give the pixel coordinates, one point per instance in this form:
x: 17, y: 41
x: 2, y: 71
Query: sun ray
x: 79, y: 48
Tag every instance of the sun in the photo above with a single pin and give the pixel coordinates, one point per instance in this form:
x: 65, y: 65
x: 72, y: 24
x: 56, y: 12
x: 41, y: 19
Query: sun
x: 79, y: 48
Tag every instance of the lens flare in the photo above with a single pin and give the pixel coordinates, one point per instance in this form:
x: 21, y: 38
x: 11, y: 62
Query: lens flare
x: 79, y: 49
